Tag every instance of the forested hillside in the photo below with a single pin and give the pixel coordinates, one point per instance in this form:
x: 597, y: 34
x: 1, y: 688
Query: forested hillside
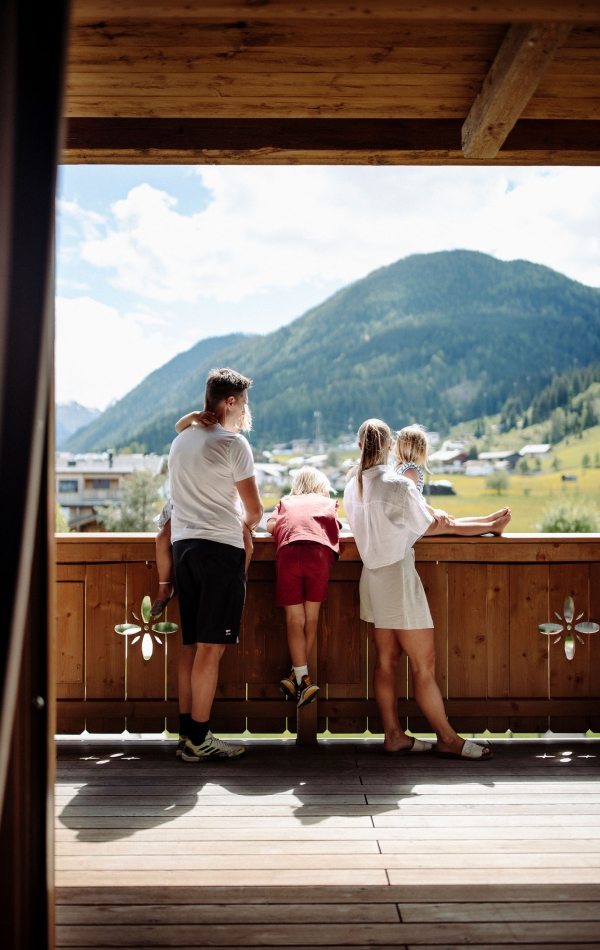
x: 436, y: 338
x: 570, y: 403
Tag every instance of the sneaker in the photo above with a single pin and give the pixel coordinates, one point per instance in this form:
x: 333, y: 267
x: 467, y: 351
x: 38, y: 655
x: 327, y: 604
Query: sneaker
x: 288, y: 686
x: 307, y: 692
x: 180, y: 746
x: 211, y: 749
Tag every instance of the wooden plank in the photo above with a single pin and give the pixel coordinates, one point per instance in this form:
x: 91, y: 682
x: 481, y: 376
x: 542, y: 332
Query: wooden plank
x: 244, y: 913
x: 105, y: 649
x: 70, y: 619
x: 529, y: 586
x: 274, y: 709
x: 404, y: 11
x: 576, y: 911
x: 259, y: 935
x: 266, y: 655
x: 145, y: 678
x: 343, y: 653
x: 467, y: 638
x: 523, y: 58
x: 70, y: 572
x: 498, y: 641
x: 569, y: 677
x: 266, y: 896
x: 594, y: 577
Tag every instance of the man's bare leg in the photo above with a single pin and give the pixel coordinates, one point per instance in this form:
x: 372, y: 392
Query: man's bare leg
x: 205, y: 675
x: 186, y: 663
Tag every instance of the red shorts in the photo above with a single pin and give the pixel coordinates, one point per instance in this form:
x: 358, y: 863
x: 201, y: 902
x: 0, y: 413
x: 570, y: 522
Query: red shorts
x: 303, y: 569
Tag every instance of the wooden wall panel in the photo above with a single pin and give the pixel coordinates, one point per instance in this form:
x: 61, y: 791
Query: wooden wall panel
x: 342, y: 652
x: 569, y: 678
x: 70, y: 663
x: 498, y: 646
x: 467, y: 638
x: 266, y: 655
x: 594, y: 578
x: 529, y: 606
x: 145, y: 678
x: 105, y: 649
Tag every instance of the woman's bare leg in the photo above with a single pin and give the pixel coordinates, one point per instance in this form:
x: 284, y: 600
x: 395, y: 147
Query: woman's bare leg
x: 385, y: 682
x: 420, y: 649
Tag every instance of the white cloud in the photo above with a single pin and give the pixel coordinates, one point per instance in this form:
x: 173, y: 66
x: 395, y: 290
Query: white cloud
x: 275, y: 228
x: 101, y: 355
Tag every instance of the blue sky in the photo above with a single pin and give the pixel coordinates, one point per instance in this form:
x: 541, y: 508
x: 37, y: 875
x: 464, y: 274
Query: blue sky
x: 151, y: 259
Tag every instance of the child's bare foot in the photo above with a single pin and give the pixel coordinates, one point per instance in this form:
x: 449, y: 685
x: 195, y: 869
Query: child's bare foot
x: 495, y: 516
x: 499, y: 526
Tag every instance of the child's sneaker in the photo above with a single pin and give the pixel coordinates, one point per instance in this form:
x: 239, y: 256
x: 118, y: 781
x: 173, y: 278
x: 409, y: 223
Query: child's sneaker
x: 307, y: 692
x: 288, y: 686
x: 211, y: 749
x: 180, y: 746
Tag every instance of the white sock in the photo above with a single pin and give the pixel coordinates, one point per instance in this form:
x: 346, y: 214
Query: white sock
x: 300, y: 671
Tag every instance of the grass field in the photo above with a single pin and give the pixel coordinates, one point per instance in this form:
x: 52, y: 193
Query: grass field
x: 529, y: 495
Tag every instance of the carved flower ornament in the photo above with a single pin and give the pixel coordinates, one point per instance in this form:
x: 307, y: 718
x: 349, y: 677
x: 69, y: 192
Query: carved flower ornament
x: 129, y: 629
x: 550, y: 629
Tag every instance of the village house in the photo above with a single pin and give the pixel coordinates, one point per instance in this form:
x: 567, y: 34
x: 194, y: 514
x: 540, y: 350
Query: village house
x: 87, y: 482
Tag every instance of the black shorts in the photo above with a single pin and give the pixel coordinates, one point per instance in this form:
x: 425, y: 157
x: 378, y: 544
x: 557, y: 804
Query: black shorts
x: 211, y: 585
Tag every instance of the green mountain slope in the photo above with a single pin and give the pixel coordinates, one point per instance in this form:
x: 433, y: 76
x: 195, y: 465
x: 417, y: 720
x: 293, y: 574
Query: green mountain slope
x: 157, y: 394
x: 434, y: 338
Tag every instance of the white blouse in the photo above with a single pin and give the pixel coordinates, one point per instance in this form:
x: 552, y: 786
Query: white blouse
x: 388, y: 520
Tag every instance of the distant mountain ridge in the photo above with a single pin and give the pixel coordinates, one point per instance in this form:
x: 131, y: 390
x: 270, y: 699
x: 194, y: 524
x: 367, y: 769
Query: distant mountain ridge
x: 70, y: 417
x: 437, y: 338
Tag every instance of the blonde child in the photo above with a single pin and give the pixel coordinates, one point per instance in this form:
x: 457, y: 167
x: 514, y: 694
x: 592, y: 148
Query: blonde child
x: 306, y: 531
x: 164, y: 551
x: 410, y: 453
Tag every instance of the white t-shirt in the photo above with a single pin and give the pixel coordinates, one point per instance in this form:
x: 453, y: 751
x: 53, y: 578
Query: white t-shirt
x: 204, y: 465
x: 388, y: 520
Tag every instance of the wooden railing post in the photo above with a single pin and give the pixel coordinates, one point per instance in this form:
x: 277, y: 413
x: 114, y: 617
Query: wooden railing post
x: 306, y: 719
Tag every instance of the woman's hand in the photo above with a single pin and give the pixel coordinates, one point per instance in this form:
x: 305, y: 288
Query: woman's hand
x: 443, y: 518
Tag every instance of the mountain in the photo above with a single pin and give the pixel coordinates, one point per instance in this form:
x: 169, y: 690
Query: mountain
x: 159, y: 394
x: 570, y: 403
x: 435, y: 338
x: 70, y: 417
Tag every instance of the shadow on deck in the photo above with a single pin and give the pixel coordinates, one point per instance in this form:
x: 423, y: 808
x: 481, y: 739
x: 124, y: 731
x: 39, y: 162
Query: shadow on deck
x: 328, y: 846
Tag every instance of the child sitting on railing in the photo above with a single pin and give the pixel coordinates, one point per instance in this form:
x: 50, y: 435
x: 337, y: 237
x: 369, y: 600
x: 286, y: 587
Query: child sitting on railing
x: 410, y: 451
x: 306, y: 531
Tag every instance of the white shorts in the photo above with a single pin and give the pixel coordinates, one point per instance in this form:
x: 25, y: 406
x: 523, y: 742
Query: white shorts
x: 392, y: 597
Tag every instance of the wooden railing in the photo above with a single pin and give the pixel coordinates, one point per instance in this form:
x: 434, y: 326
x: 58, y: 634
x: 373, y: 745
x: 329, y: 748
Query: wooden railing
x: 487, y: 597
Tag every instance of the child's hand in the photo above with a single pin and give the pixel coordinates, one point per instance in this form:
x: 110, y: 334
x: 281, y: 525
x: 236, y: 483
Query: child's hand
x: 443, y: 517
x: 205, y: 418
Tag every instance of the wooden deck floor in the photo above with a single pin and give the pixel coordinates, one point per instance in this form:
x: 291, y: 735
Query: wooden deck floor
x: 332, y: 846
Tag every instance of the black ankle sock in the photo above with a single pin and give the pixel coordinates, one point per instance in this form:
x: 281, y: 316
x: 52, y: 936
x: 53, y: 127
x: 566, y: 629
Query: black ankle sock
x: 198, y: 732
x: 185, y: 721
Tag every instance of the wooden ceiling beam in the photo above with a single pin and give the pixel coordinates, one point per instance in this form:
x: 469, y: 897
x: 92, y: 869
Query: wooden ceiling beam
x: 466, y: 11
x: 526, y: 53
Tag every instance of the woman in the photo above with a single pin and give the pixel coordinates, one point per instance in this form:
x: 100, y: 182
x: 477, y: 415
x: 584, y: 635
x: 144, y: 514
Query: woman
x: 387, y: 518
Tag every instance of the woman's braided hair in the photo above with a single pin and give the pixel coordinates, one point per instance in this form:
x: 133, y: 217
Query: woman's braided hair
x: 374, y: 435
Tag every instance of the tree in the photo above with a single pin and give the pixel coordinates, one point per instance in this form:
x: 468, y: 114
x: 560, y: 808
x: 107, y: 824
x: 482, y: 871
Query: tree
x: 586, y: 462
x: 524, y: 467
x: 556, y: 463
x: 473, y: 451
x: 140, y: 503
x: 566, y: 518
x: 61, y: 525
x: 498, y: 481
x: 538, y: 464
x: 597, y: 460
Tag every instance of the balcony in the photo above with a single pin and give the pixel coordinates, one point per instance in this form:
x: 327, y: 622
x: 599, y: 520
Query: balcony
x: 88, y: 496
x: 488, y: 596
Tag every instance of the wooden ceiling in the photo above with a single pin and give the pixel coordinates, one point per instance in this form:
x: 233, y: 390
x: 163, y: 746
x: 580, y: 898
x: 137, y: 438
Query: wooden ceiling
x: 334, y: 81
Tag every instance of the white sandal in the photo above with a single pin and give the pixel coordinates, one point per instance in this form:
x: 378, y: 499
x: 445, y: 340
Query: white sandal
x: 418, y: 746
x: 470, y: 750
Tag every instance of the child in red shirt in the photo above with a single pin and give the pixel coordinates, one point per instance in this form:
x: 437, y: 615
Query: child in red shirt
x: 306, y: 530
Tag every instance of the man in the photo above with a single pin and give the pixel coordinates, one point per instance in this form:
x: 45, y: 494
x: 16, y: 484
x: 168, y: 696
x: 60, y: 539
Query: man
x: 214, y: 499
